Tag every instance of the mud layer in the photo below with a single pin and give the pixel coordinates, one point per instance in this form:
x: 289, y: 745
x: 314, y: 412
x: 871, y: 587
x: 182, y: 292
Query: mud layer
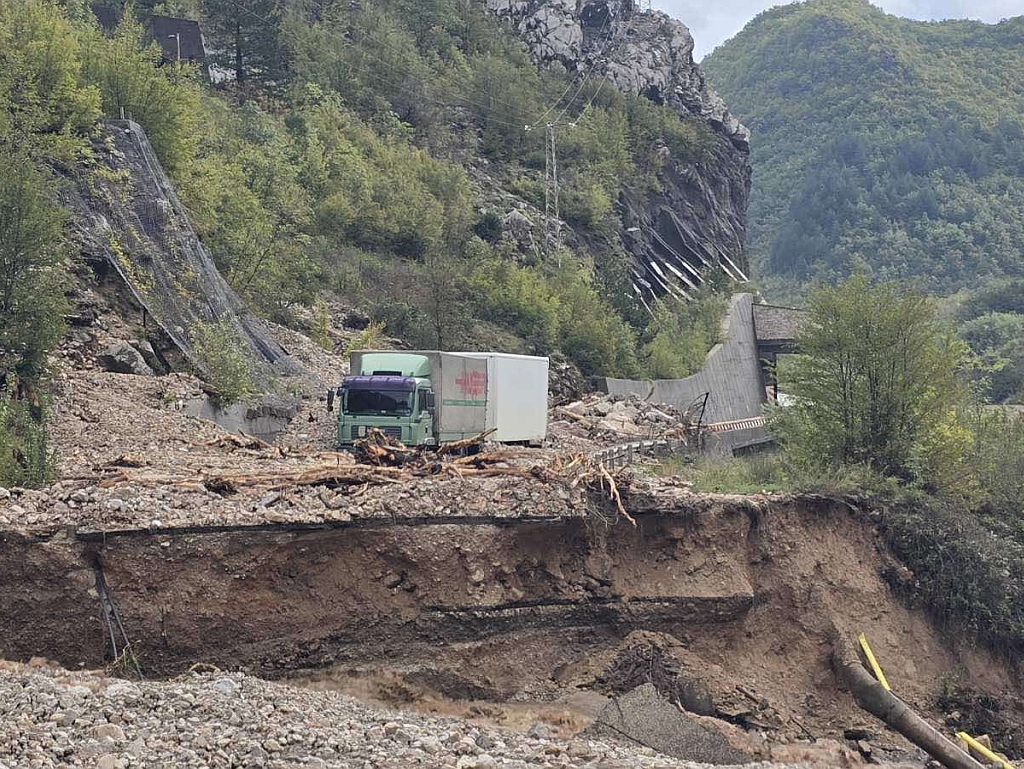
x: 725, y: 606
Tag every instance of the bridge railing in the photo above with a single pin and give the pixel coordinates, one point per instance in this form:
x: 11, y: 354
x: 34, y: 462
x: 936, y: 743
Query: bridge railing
x: 625, y: 454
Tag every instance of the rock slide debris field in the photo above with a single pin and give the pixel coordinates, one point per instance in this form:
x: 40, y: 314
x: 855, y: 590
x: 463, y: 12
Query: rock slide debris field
x: 706, y: 598
x: 131, y: 456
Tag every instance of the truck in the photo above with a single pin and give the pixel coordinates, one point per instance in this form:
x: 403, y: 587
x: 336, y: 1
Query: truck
x: 429, y: 397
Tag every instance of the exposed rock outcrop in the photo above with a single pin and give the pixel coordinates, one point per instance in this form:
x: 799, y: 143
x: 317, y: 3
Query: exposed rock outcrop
x: 697, y: 221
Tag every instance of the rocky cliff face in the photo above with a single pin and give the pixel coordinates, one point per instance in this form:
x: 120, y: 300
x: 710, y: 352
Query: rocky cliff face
x: 698, y: 220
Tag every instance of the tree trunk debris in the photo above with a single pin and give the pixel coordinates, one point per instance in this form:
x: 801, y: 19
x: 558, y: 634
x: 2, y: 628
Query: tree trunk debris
x: 875, y: 699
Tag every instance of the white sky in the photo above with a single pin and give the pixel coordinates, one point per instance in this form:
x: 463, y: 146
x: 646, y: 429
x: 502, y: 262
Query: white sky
x: 714, y: 21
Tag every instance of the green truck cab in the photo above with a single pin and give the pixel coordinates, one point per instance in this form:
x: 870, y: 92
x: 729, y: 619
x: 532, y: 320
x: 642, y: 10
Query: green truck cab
x: 394, y: 396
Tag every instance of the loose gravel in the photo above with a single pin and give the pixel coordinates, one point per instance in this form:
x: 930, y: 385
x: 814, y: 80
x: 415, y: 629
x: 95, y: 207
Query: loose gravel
x: 51, y: 717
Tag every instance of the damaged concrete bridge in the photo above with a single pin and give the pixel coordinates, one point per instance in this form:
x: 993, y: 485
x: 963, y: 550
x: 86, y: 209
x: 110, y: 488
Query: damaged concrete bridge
x: 734, y: 379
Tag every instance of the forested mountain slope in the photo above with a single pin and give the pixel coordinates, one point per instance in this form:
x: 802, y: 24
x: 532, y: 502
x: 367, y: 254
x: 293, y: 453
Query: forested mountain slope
x: 390, y: 156
x: 879, y: 143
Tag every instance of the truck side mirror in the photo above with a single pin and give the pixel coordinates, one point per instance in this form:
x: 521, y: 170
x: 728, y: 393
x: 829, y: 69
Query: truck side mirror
x: 330, y: 399
x: 428, y: 400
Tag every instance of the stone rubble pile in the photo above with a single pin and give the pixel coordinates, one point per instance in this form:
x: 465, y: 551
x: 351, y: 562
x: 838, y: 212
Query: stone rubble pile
x: 50, y: 717
x: 628, y: 416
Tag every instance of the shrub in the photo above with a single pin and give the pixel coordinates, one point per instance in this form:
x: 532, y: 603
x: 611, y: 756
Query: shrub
x: 488, y: 227
x: 969, y: 577
x: 681, y: 335
x: 164, y: 100
x: 321, y: 331
x: 25, y: 459
x: 31, y: 281
x: 518, y: 298
x: 597, y: 339
x: 223, y: 361
x: 370, y: 338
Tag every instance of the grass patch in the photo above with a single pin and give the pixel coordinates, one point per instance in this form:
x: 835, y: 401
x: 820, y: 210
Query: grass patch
x: 771, y: 472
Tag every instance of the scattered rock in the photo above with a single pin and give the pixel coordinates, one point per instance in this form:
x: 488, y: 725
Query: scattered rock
x: 122, y: 358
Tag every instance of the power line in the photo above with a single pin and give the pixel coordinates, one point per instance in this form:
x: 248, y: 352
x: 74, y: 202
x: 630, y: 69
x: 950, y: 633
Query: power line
x: 593, y: 66
x: 569, y: 85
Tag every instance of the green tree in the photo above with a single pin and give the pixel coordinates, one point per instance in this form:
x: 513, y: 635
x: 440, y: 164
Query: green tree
x: 250, y: 33
x: 878, y: 142
x: 164, y: 100
x: 46, y: 109
x: 31, y: 269
x: 878, y: 384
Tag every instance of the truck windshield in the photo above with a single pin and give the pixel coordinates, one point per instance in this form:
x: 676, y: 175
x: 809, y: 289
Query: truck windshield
x: 393, y: 402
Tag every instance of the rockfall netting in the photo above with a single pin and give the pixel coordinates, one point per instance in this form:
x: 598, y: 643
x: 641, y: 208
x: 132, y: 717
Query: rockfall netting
x: 126, y: 209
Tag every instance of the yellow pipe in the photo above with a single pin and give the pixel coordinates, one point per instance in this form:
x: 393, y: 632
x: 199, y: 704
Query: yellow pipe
x: 983, y: 751
x: 875, y: 667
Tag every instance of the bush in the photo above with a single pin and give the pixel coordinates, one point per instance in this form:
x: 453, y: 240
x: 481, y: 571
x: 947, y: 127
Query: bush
x: 518, y: 298
x: 969, y: 577
x: 223, y: 362
x: 488, y: 227
x: 25, y: 459
x: 681, y: 335
x: 370, y: 338
x: 597, y: 339
x: 31, y: 281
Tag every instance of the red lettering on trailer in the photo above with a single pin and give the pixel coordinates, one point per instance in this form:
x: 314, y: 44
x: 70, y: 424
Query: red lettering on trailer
x: 472, y: 384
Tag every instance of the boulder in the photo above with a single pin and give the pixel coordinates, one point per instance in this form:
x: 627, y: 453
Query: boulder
x: 518, y: 225
x: 149, y: 355
x: 122, y: 358
x: 648, y: 718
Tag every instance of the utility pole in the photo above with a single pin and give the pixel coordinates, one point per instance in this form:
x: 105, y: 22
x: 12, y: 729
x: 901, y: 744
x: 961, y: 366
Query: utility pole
x: 177, y: 40
x: 552, y: 224
x: 553, y: 221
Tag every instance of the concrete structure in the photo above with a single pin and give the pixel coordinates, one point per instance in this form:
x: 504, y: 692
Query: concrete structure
x: 647, y: 718
x: 733, y: 377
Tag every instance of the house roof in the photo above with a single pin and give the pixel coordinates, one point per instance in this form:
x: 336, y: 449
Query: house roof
x: 167, y: 31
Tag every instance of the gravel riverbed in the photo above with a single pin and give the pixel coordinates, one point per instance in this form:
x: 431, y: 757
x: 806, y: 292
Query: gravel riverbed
x: 51, y: 717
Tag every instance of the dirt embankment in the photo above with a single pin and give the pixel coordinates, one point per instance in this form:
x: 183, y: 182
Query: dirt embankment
x: 725, y: 603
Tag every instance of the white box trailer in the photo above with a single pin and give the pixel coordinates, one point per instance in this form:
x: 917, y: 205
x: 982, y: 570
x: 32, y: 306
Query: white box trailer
x: 517, y: 396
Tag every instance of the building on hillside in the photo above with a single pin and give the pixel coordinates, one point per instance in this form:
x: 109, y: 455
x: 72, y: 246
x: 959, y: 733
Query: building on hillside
x: 179, y: 39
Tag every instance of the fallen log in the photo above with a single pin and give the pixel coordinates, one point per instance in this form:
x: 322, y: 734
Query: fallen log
x: 574, y: 417
x: 457, y: 447
x: 876, y: 700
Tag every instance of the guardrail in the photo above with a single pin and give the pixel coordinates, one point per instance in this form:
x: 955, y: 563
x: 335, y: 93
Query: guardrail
x: 736, y: 424
x: 624, y: 454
